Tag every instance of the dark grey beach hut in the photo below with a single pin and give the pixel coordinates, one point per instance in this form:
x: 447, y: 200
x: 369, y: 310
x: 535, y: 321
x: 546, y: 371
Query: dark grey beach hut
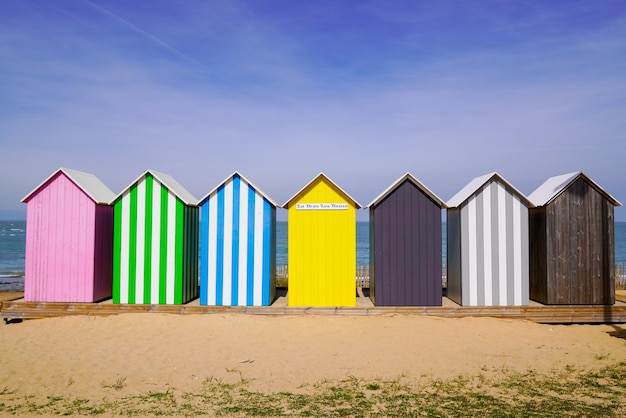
x: 487, y: 224
x: 572, y: 257
x: 405, y: 245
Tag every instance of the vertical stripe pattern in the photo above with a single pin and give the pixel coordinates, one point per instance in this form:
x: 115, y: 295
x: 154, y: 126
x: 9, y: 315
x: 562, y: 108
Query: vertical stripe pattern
x: 494, y: 248
x: 236, y: 255
x: 155, y: 258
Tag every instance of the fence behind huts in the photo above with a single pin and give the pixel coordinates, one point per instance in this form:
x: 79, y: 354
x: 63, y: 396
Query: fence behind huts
x: 363, y: 276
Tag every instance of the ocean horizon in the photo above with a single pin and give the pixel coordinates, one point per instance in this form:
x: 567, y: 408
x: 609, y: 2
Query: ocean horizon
x: 13, y: 244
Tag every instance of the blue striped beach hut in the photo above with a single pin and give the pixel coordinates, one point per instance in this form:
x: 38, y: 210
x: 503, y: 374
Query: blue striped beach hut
x: 237, y: 245
x: 488, y: 245
x: 155, y: 244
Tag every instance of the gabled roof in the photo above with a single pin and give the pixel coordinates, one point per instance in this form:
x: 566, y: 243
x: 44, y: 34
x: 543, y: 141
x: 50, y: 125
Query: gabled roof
x: 237, y: 173
x: 554, y: 186
x: 466, y: 192
x: 169, y: 182
x: 88, y: 183
x: 322, y: 176
x: 408, y: 177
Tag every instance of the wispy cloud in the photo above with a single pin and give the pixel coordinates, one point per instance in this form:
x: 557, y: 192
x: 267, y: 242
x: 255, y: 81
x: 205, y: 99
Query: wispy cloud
x: 148, y: 36
x: 363, y: 93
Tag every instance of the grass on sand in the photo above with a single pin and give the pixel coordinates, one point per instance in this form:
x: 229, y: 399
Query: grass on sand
x: 502, y: 392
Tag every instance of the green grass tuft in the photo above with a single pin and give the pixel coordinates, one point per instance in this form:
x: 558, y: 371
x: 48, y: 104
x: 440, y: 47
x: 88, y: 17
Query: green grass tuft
x: 506, y: 393
x: 119, y: 384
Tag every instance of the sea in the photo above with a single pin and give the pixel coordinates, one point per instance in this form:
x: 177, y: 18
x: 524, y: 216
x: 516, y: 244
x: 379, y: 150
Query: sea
x: 13, y: 243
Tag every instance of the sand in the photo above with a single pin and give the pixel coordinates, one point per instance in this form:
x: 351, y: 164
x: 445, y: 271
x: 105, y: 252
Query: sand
x: 84, y: 356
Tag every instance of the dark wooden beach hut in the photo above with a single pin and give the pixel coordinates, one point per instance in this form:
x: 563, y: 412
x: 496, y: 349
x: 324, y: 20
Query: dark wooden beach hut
x: 572, y: 234
x: 487, y: 224
x: 405, y: 245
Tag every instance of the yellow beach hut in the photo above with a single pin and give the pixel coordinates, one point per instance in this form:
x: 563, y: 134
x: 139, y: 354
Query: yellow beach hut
x: 322, y: 245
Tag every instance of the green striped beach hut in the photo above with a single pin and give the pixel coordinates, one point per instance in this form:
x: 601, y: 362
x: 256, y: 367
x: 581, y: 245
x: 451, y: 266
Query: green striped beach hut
x: 155, y: 246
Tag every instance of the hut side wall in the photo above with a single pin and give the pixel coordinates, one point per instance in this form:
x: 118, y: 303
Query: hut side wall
x: 322, y: 249
x: 149, y: 246
x: 372, y: 251
x: 238, y: 258
x: 191, y: 253
x: 453, y: 228
x: 580, y: 247
x: 103, y: 253
x: 608, y: 254
x: 407, y: 241
x: 538, y: 280
x: 494, y: 256
x: 60, y: 236
x: 271, y: 237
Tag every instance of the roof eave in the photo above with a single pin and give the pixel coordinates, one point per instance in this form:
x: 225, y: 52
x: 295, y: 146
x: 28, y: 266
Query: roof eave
x: 189, y: 200
x: 321, y: 174
x: 593, y: 184
x: 244, y: 178
x: 398, y: 182
x: 71, y: 175
x: 487, y: 178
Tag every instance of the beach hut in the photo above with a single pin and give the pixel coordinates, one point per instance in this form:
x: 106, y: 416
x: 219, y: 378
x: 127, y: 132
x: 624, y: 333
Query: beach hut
x: 321, y: 239
x: 237, y: 245
x: 155, y: 257
x: 487, y: 226
x: 572, y: 235
x: 405, y: 245
x: 69, y: 237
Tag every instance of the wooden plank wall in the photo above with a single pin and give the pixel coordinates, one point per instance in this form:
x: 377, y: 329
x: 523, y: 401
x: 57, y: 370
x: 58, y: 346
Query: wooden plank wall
x: 238, y: 247
x: 150, y: 239
x: 493, y: 249
x: 558, y: 314
x: 406, y: 249
x: 322, y: 249
x: 103, y: 253
x: 538, y: 269
x: 190, y: 260
x: 60, y: 241
x: 574, y: 261
x: 455, y: 280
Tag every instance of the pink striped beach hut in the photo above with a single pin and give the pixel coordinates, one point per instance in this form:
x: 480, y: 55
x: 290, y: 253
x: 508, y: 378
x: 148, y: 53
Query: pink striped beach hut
x: 69, y: 239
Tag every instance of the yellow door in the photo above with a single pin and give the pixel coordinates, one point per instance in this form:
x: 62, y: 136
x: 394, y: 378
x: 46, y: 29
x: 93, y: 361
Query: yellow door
x: 322, y: 246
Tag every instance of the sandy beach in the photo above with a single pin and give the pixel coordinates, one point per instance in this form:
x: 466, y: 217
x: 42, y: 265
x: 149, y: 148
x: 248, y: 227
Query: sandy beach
x: 84, y: 357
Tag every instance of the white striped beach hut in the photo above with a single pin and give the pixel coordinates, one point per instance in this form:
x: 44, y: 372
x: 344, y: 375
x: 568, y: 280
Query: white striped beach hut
x: 237, y: 245
x: 155, y: 257
x: 488, y: 259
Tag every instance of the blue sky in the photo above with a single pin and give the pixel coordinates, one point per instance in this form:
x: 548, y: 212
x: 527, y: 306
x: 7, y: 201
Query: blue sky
x: 282, y: 90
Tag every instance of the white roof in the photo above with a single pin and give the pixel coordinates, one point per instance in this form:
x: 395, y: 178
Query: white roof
x: 88, y: 183
x: 471, y: 187
x: 169, y: 182
x: 554, y: 186
x: 322, y: 175
x: 244, y: 178
x: 397, y: 183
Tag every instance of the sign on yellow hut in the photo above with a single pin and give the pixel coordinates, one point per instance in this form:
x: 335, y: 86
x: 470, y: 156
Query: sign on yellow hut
x: 322, y: 245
